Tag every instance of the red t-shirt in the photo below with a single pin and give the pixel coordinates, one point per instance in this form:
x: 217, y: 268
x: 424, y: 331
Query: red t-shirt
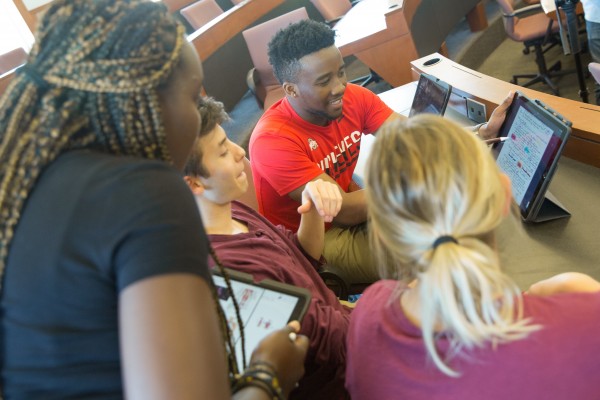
x: 286, y: 152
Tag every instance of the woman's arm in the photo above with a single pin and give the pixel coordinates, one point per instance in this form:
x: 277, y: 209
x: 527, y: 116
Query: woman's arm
x: 491, y: 128
x: 171, y: 345
x: 568, y: 282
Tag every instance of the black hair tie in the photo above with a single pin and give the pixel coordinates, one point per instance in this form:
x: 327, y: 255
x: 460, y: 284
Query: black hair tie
x: 443, y: 239
x: 34, y: 76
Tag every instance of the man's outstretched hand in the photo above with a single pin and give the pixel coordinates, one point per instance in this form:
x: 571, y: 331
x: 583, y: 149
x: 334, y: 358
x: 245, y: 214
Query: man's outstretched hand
x: 324, y: 196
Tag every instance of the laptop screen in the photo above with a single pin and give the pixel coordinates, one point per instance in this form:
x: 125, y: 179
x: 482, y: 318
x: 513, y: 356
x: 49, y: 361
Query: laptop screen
x: 431, y: 96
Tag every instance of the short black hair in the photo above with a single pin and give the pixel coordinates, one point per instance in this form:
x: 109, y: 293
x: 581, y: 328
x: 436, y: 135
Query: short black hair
x: 289, y: 45
x: 212, y: 112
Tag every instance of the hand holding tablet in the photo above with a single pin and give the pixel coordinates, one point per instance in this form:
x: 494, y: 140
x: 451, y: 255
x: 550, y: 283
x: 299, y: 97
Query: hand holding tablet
x: 265, y: 307
x: 535, y: 138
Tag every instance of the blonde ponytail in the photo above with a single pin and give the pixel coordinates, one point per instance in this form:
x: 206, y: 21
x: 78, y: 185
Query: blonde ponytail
x: 428, y: 178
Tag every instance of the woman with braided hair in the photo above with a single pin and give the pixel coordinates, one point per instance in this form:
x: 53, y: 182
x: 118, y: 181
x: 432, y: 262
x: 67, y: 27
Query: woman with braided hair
x: 105, y: 289
x: 447, y: 323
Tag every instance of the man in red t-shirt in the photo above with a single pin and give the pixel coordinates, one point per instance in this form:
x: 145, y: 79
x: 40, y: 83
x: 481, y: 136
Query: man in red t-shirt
x: 315, y: 133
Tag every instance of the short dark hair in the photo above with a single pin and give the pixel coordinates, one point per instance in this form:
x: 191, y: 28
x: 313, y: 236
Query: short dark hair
x: 212, y: 112
x: 289, y: 45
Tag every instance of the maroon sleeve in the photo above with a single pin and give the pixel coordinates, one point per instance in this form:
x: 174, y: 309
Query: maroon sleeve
x: 294, y: 238
x: 326, y: 326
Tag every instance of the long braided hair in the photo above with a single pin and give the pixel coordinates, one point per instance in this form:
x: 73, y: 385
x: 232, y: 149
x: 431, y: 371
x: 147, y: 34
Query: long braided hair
x: 428, y: 178
x: 229, y: 340
x: 91, y: 81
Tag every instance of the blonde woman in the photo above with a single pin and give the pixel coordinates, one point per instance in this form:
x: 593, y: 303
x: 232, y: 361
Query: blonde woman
x: 461, y: 329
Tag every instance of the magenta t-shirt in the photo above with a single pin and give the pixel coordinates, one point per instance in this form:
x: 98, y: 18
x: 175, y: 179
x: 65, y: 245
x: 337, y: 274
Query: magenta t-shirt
x: 387, y: 358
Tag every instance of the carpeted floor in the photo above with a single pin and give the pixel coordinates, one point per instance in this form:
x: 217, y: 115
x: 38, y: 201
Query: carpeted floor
x: 508, y: 59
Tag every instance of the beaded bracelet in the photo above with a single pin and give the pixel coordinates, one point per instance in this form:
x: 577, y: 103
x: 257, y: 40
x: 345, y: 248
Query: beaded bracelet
x: 263, y: 366
x: 261, y: 375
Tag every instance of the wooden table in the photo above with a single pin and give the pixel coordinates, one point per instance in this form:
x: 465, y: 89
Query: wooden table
x: 584, y: 143
x: 210, y: 37
x: 378, y: 32
x: 380, y: 37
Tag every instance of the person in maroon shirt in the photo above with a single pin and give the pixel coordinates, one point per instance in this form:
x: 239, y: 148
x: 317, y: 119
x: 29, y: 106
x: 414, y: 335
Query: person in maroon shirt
x: 246, y: 241
x: 447, y: 323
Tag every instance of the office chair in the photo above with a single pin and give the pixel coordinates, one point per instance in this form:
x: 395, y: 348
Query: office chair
x: 527, y: 49
x: 12, y: 59
x: 333, y: 11
x: 532, y: 27
x: 260, y: 79
x: 201, y: 12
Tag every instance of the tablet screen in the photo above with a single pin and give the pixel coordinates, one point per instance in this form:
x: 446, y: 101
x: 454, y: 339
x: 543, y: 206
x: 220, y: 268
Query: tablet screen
x: 431, y: 96
x: 264, y: 307
x: 535, y: 138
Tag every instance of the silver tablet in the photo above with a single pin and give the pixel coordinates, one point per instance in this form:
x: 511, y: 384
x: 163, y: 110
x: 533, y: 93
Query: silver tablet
x: 536, y: 137
x: 265, y: 306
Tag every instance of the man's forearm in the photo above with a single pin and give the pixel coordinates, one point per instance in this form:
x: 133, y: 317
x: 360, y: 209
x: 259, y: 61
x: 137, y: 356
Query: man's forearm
x: 354, y: 209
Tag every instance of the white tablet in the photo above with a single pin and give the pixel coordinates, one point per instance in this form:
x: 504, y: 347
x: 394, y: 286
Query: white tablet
x: 265, y: 306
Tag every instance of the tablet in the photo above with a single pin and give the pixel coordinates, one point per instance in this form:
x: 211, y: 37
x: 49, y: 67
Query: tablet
x: 536, y: 136
x: 431, y: 96
x: 265, y: 306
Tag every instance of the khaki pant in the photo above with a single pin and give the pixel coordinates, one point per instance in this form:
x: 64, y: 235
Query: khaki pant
x: 348, y: 253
